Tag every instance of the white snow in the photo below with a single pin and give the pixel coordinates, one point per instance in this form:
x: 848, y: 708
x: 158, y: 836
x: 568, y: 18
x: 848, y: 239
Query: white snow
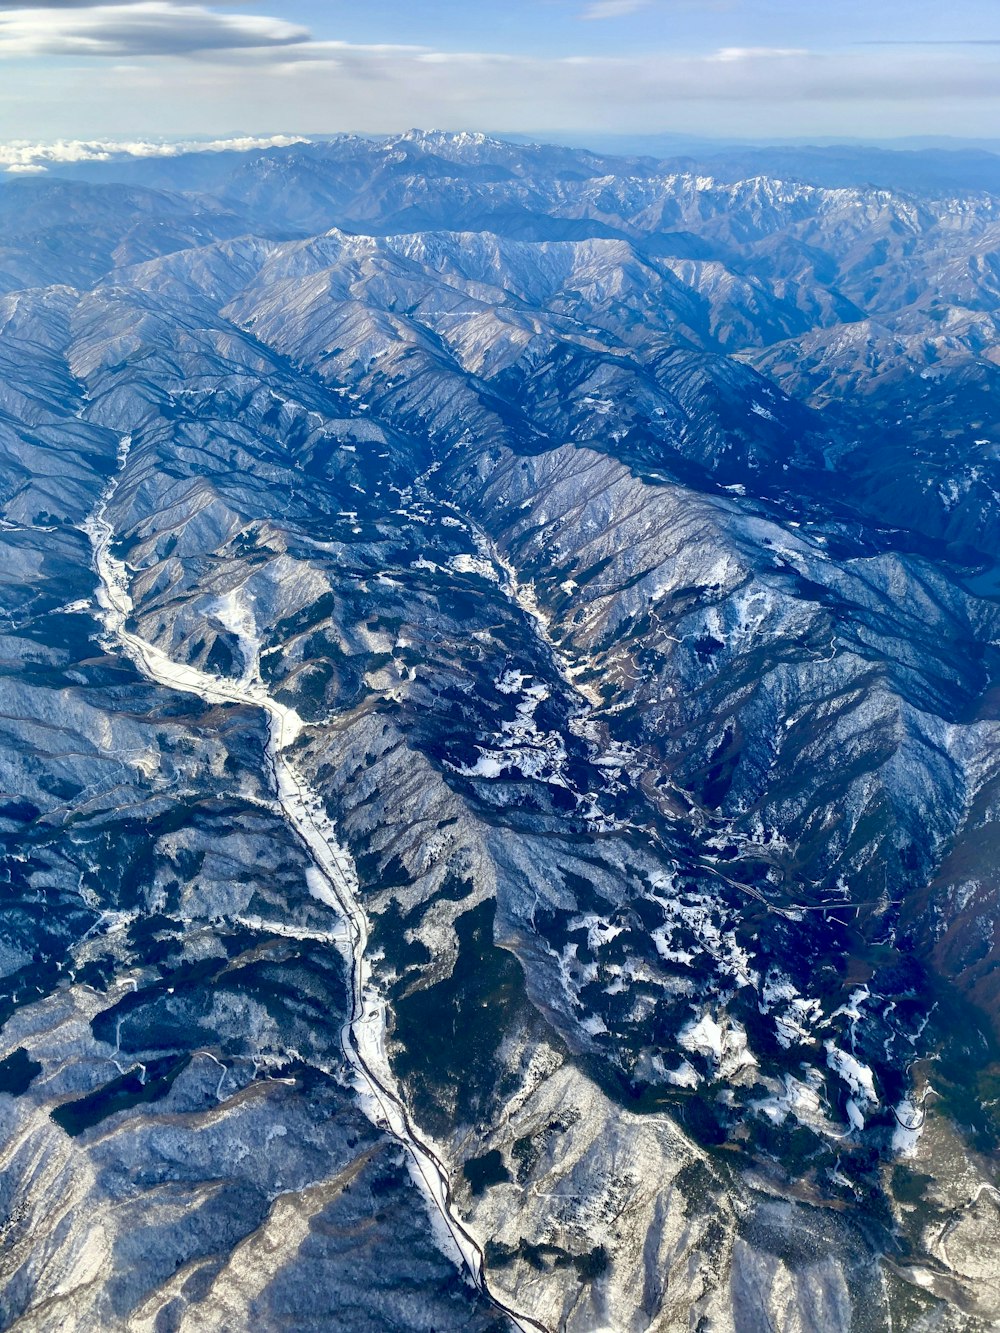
x: 521, y: 747
x: 857, y: 1076
x: 854, y: 1116
x: 723, y: 1044
x: 696, y: 914
x: 797, y: 1098
x: 331, y: 879
x: 684, y: 1076
x: 799, y: 1015
x: 703, y: 1036
x: 235, y: 614
x: 473, y: 564
x: 909, y: 1127
x: 593, y: 1025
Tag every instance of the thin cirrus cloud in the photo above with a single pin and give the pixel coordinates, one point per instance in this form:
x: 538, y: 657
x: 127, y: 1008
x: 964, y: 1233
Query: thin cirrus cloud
x: 612, y: 9
x: 149, y: 28
x: 929, y: 41
x: 752, y: 89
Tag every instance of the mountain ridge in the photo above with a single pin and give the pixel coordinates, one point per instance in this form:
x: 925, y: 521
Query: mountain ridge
x: 664, y: 750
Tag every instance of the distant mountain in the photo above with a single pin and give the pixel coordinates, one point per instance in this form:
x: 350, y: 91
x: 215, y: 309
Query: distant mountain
x: 500, y: 664
x: 918, y: 166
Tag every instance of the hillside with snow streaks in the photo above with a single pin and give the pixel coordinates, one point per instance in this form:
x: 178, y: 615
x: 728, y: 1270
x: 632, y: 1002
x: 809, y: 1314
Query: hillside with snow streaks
x: 502, y: 765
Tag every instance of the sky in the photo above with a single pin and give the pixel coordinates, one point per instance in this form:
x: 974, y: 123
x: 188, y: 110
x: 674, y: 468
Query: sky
x: 715, y: 68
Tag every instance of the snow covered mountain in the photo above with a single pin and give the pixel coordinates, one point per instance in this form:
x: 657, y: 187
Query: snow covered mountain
x: 500, y: 661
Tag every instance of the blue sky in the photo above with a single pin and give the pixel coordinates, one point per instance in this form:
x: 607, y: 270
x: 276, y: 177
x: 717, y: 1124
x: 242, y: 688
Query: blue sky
x: 623, y: 27
x: 725, y: 68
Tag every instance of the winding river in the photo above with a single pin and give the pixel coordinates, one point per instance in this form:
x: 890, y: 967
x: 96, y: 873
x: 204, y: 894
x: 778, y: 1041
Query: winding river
x: 363, y: 1035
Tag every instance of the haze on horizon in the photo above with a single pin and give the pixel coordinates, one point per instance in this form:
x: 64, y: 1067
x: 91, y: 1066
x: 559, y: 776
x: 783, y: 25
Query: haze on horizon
x: 719, y: 68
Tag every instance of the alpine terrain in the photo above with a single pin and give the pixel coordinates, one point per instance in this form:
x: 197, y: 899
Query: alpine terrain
x: 500, y: 693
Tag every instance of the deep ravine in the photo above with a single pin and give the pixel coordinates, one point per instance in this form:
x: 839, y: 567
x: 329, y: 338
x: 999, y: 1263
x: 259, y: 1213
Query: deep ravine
x: 363, y: 1035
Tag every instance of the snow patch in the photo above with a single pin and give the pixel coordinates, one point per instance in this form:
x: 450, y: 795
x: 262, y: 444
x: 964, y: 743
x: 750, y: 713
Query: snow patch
x: 858, y: 1077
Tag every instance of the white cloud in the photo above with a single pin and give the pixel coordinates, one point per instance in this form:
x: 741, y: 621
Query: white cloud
x: 23, y: 156
x: 150, y: 27
x: 729, y: 55
x: 58, y: 4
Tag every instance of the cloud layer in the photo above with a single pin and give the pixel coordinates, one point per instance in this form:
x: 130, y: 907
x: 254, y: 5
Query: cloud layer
x: 178, y: 68
x: 23, y: 157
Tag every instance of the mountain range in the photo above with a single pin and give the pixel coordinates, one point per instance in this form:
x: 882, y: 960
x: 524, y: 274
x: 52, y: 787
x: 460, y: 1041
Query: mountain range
x: 500, y: 673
